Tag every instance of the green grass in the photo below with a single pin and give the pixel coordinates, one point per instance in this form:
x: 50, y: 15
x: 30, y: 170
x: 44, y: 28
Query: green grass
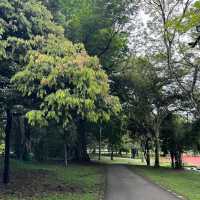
x: 86, y: 181
x: 58, y: 197
x: 76, y: 182
x: 184, y: 183
x: 118, y: 160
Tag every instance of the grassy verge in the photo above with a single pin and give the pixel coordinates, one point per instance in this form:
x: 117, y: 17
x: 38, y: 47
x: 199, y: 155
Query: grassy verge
x: 53, y: 182
x: 184, y: 183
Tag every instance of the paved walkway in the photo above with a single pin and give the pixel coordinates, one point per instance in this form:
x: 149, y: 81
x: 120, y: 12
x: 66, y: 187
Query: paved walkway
x: 123, y: 184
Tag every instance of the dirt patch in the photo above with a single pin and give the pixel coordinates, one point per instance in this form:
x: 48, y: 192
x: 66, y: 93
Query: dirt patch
x: 36, y: 183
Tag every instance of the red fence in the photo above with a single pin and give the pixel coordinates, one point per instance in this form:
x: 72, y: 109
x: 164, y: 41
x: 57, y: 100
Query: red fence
x: 187, y: 159
x: 193, y: 160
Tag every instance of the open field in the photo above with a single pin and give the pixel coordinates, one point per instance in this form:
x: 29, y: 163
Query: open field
x: 53, y: 182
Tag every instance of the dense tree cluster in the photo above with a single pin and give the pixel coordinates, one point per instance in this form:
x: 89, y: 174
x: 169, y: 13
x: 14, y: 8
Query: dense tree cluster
x: 69, y: 81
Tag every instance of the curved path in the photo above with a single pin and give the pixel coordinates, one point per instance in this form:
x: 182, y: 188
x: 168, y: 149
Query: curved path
x: 123, y: 184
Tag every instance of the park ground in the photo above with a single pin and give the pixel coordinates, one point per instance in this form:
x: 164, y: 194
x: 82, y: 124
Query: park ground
x: 87, y: 182
x: 54, y: 182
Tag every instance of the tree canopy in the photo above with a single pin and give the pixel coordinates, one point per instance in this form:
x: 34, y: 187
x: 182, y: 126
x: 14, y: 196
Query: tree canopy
x: 67, y: 82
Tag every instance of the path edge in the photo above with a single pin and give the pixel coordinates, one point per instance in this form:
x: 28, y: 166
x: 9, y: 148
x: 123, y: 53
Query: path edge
x: 102, y: 190
x: 179, y: 196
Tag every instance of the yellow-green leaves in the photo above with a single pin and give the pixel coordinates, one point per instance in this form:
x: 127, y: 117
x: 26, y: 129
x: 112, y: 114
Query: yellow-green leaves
x: 3, y: 45
x: 67, y: 82
x: 190, y: 19
x: 5, y: 5
x: 24, y: 26
x: 37, y: 117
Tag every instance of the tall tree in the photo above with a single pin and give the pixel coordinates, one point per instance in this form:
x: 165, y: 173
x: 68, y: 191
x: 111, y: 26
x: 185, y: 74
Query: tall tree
x: 100, y: 25
x: 169, y: 20
x: 185, y: 27
x: 174, y: 135
x: 147, y: 96
x: 69, y: 84
x: 20, y: 21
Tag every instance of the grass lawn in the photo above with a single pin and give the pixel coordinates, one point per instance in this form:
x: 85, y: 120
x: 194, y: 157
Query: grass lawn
x: 118, y: 160
x: 184, y: 183
x: 53, y: 182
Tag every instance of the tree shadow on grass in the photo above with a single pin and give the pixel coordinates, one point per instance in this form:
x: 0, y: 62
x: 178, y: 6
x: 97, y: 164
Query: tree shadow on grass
x: 27, y: 184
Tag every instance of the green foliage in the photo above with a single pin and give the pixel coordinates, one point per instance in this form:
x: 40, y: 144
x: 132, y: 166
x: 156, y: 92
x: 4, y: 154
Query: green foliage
x: 175, y: 133
x: 67, y: 82
x: 115, y: 129
x: 31, y: 17
x: 190, y: 19
x: 60, y: 81
x: 98, y: 25
x: 140, y: 89
x: 2, y: 148
x: 20, y: 22
x: 194, y: 136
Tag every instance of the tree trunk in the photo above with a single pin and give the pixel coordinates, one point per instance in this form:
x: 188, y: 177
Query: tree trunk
x: 6, y: 174
x: 27, y: 141
x: 81, y: 149
x: 147, y: 153
x: 111, y: 153
x: 100, y: 133
x: 66, y: 154
x: 157, y: 150
x: 120, y: 152
x: 172, y: 159
x: 18, y: 136
x: 178, y: 159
